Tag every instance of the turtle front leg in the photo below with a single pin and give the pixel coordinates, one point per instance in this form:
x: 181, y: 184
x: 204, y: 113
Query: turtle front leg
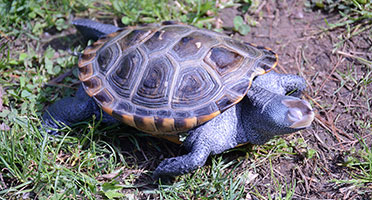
x: 213, y: 137
x: 71, y: 110
x: 183, y: 164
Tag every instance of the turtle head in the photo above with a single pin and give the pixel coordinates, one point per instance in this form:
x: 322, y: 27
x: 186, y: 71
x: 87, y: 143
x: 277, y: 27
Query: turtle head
x: 266, y: 114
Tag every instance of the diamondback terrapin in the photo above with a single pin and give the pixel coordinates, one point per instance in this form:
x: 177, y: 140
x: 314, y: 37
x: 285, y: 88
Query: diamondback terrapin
x: 172, y: 78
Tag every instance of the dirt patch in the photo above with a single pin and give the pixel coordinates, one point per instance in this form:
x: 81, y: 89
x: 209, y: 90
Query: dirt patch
x: 341, y: 104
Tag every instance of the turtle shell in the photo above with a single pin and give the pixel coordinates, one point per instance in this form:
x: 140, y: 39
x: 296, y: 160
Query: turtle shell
x: 166, y: 79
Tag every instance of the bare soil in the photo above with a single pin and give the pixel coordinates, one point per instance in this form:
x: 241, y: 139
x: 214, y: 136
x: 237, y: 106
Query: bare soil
x: 306, y: 49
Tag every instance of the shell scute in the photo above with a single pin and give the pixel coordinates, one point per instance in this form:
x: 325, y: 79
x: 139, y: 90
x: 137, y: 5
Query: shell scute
x: 153, y: 89
x: 164, y: 37
x: 92, y: 85
x: 122, y: 78
x: 194, y: 87
x: 133, y: 38
x: 224, y: 60
x: 107, y: 56
x: 192, y: 46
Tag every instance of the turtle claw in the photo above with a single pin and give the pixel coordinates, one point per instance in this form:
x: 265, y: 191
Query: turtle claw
x: 48, y: 128
x: 50, y: 131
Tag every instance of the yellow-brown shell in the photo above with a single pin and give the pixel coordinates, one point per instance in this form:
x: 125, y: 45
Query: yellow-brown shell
x: 165, y: 79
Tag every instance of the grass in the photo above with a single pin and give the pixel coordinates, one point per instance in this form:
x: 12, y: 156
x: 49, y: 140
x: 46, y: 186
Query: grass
x: 361, y: 163
x: 212, y: 183
x: 95, y: 162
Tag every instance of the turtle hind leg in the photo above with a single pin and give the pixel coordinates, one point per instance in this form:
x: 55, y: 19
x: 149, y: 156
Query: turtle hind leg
x: 71, y: 110
x: 92, y: 29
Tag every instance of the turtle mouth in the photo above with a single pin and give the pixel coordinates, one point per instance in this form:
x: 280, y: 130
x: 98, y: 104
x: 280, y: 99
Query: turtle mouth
x: 300, y: 113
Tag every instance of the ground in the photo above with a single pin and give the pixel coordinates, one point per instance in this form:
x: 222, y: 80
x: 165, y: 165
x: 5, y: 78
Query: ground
x: 306, y: 48
x: 329, y: 160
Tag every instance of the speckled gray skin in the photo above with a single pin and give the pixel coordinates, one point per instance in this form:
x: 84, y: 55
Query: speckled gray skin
x: 266, y: 111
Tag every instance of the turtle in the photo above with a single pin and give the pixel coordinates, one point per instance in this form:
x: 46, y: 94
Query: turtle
x: 173, y: 79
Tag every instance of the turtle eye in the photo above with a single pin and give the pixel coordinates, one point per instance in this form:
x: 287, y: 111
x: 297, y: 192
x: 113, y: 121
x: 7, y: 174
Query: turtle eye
x: 293, y: 92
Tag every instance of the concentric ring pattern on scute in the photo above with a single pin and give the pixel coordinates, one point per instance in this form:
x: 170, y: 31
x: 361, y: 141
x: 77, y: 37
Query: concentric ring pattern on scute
x: 165, y: 79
